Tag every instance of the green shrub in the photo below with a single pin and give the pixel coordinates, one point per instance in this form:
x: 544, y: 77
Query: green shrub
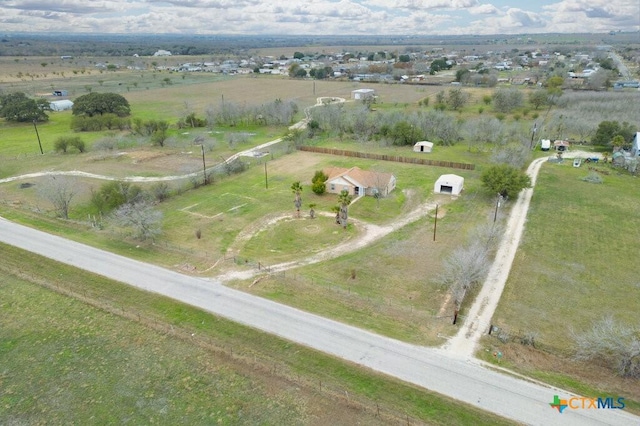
x: 63, y: 143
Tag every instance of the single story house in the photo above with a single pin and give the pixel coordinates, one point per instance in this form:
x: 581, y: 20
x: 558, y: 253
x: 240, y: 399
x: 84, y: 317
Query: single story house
x: 361, y: 94
x: 635, y: 145
x: 561, y: 145
x: 62, y: 105
x: 359, y: 182
x: 423, y: 146
x: 449, y: 184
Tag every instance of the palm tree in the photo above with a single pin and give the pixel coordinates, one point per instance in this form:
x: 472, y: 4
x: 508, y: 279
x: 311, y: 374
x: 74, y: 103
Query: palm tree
x: 312, y: 212
x: 336, y: 210
x: 344, y: 199
x: 296, y: 188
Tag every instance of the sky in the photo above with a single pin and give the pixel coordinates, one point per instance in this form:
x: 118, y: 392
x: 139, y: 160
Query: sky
x: 320, y: 17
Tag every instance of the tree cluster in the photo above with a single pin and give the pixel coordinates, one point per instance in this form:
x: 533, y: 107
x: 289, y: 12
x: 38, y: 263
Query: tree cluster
x: 393, y: 127
x: 608, y: 131
x: 231, y: 114
x: 97, y: 111
x: 20, y: 108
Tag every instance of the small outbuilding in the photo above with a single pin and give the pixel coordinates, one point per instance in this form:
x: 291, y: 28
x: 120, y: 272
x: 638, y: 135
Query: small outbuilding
x: 361, y: 94
x: 560, y: 145
x: 423, y: 146
x: 449, y: 184
x: 62, y: 105
x: 545, y: 144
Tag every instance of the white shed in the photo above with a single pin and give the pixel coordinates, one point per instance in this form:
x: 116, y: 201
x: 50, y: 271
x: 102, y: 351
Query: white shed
x: 62, y: 105
x: 423, y: 146
x: 545, y: 144
x: 360, y: 94
x: 449, y: 184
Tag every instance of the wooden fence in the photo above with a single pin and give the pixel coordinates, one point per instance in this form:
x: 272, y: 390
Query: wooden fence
x: 385, y: 157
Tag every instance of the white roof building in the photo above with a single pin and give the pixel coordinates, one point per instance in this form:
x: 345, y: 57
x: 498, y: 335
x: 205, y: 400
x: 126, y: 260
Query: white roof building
x: 362, y: 93
x: 423, y: 146
x: 449, y: 184
x: 62, y: 105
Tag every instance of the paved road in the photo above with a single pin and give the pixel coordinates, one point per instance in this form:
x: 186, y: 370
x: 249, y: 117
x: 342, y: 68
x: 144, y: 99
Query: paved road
x: 464, y: 379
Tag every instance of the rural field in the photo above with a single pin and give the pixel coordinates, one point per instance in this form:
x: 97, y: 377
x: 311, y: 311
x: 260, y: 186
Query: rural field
x: 574, y: 265
x: 76, y: 345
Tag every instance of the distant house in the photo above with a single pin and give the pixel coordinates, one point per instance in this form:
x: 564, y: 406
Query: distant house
x: 359, y: 182
x: 162, y: 53
x: 560, y: 145
x: 361, y: 94
x: 60, y: 93
x: 449, y: 184
x: 635, y: 145
x: 423, y: 146
x: 62, y: 105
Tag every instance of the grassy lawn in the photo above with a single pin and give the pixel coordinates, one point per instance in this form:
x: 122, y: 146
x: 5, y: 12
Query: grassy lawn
x: 131, y: 356
x: 574, y: 267
x: 575, y: 261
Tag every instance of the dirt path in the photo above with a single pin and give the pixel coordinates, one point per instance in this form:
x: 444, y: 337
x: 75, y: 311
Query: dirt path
x: 478, y: 320
x: 368, y: 234
x: 246, y: 153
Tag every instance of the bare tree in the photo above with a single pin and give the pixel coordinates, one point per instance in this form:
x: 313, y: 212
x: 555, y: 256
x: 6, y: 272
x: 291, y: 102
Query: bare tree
x: 482, y: 131
x: 59, y: 191
x: 464, y: 268
x: 141, y: 218
x: 613, y: 343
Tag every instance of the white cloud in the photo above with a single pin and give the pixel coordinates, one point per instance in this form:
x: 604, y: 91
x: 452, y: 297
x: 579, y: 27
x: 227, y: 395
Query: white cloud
x: 437, y: 4
x: 484, y: 9
x: 435, y: 17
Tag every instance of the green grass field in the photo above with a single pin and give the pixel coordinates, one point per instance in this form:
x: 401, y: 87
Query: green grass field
x: 65, y: 361
x: 574, y: 265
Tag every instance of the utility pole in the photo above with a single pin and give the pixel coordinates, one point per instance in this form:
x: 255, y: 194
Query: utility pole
x: 38, y: 135
x: 435, y: 223
x: 266, y: 180
x: 204, y: 166
x: 495, y: 214
x: 533, y: 134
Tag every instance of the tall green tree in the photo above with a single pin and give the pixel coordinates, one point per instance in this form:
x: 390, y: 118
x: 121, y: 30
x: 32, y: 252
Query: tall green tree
x: 20, y: 108
x: 505, y: 180
x: 93, y: 104
x: 296, y: 188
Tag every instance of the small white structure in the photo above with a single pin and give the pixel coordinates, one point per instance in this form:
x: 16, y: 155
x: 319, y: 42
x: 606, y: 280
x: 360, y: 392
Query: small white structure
x: 545, y: 144
x: 635, y: 145
x: 360, y: 94
x: 449, y: 184
x: 162, y: 53
x: 423, y: 146
x: 62, y: 105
